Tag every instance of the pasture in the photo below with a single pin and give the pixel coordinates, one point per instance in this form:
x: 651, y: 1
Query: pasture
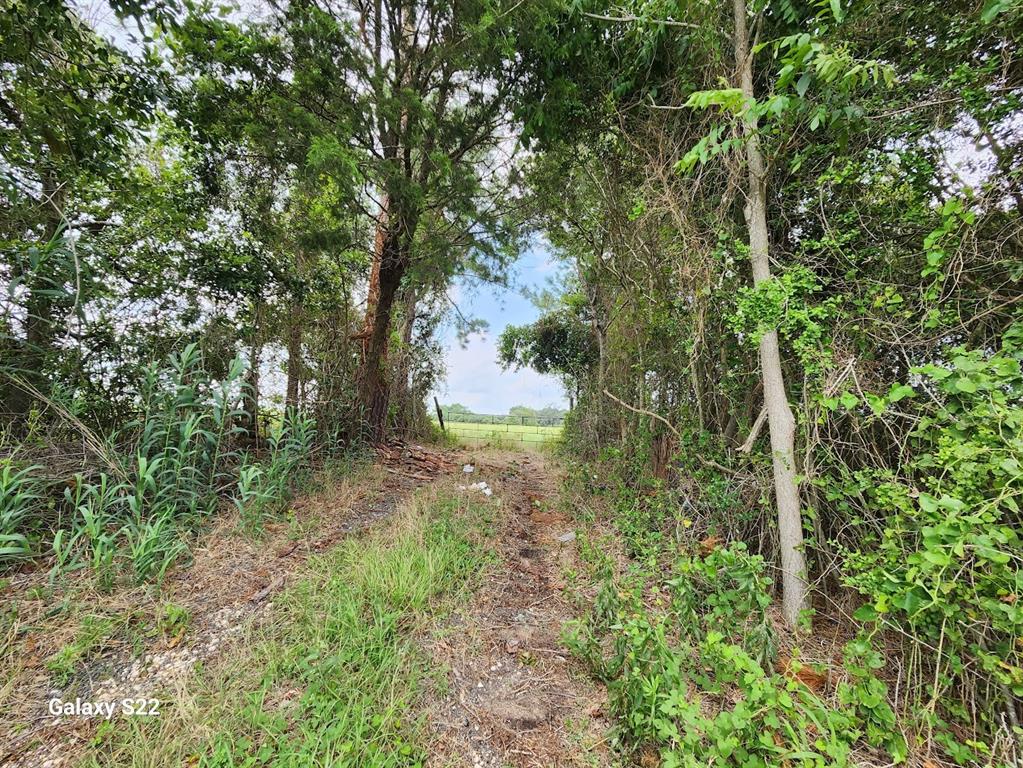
x: 480, y: 429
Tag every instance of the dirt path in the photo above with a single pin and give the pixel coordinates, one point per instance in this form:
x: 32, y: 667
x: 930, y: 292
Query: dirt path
x: 516, y: 696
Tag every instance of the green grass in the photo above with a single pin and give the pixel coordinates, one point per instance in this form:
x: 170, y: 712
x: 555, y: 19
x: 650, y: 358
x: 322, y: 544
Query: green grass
x: 336, y: 678
x: 502, y: 435
x: 92, y: 634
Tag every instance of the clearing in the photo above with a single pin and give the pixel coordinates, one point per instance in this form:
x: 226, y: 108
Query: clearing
x: 403, y: 614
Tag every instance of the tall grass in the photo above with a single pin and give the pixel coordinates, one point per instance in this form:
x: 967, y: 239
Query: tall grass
x: 19, y: 497
x: 167, y: 471
x: 263, y: 487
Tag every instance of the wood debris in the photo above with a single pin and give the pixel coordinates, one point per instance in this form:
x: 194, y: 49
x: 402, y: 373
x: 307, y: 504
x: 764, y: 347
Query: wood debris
x: 411, y: 460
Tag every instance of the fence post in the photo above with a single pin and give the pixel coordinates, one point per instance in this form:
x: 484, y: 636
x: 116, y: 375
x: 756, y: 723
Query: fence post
x: 440, y: 413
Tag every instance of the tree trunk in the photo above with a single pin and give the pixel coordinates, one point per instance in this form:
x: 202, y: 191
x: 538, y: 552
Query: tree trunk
x: 402, y: 394
x: 373, y: 292
x: 28, y: 359
x: 779, y: 414
x: 374, y: 384
x: 250, y: 397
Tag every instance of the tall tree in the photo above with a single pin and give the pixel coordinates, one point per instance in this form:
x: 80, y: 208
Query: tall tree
x: 781, y: 422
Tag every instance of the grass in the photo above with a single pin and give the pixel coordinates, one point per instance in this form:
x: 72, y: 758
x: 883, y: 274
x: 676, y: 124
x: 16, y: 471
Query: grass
x: 93, y: 633
x: 502, y: 435
x: 335, y: 677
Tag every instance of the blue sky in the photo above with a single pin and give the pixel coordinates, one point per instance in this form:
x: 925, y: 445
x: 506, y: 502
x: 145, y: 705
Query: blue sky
x: 474, y: 377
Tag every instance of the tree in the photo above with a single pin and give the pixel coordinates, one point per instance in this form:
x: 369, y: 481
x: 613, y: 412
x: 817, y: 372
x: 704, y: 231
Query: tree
x: 71, y: 106
x: 781, y: 422
x: 406, y: 100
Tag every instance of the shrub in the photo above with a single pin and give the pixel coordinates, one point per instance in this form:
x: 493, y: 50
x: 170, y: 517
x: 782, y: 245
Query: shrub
x: 945, y: 568
x: 689, y: 660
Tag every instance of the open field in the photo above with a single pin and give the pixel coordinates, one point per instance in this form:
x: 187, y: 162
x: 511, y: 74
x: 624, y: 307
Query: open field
x: 486, y: 430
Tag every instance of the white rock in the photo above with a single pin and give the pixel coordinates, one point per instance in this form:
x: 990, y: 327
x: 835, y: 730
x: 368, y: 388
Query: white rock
x: 468, y: 469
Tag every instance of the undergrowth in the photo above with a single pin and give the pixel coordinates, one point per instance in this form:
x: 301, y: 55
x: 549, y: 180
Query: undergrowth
x: 699, y: 675
x: 155, y: 480
x: 694, y: 675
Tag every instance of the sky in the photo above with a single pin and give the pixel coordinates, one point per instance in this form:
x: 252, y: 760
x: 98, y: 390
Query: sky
x: 474, y: 377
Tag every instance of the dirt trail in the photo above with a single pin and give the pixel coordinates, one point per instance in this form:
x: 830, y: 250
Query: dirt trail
x: 516, y: 696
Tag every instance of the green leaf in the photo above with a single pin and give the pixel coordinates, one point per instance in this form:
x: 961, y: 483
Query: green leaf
x: 877, y: 404
x: 802, y: 84
x: 866, y: 613
x: 994, y: 7
x: 900, y: 391
x: 966, y: 384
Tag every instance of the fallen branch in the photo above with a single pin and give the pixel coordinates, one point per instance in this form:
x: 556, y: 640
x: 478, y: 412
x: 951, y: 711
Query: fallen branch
x: 415, y: 475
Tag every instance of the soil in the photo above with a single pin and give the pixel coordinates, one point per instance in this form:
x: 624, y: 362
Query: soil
x: 516, y: 697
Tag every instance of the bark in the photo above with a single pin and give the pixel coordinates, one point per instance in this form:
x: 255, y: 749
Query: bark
x: 373, y: 293
x: 250, y: 396
x: 374, y: 383
x: 408, y: 302
x: 781, y: 423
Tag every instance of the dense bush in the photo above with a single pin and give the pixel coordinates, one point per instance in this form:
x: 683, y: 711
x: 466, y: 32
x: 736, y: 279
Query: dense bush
x: 694, y: 674
x: 944, y: 566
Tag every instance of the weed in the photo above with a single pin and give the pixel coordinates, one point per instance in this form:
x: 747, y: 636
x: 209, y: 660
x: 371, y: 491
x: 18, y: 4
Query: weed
x: 153, y: 547
x: 263, y: 489
x: 19, y: 498
x: 336, y: 677
x: 173, y: 621
x: 682, y: 687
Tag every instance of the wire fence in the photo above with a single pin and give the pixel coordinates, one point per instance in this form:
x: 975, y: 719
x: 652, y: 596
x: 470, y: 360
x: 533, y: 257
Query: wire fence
x: 479, y: 429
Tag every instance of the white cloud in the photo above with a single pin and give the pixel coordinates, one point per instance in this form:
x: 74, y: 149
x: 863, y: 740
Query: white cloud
x: 476, y: 380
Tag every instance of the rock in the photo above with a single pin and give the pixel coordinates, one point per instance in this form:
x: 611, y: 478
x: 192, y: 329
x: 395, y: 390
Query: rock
x: 567, y: 537
x: 468, y: 469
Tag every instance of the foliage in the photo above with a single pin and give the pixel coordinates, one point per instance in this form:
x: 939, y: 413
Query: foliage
x: 944, y: 567
x: 557, y: 343
x: 168, y: 470
x: 263, y: 487
x: 19, y: 498
x: 690, y: 660
x: 892, y: 190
